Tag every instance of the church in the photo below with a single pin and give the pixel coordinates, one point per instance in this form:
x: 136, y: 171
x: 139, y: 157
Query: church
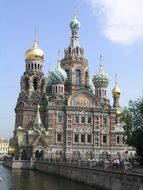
x: 64, y: 115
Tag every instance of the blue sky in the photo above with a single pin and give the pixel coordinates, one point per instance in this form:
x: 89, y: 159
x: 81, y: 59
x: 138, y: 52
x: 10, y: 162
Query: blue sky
x: 114, y: 30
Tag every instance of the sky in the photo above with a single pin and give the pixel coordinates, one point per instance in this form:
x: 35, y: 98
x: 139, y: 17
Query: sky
x: 113, y: 28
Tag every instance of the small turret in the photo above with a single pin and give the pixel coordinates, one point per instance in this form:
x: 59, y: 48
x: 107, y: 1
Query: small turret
x: 100, y: 81
x: 116, y: 92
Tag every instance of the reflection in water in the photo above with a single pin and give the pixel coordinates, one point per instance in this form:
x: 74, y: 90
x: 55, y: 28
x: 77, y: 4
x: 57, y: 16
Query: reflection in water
x: 33, y: 180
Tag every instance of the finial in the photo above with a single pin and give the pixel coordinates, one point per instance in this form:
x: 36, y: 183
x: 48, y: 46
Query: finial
x: 35, y: 38
x: 116, y: 79
x: 58, y: 55
x: 101, y: 62
x: 74, y: 13
x: 59, y: 61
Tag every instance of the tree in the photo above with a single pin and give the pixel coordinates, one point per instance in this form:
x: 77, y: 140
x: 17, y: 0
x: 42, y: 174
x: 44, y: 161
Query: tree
x: 132, y: 118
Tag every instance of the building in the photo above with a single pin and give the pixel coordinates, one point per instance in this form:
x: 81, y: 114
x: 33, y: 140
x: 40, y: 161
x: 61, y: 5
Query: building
x: 4, y: 144
x: 63, y: 115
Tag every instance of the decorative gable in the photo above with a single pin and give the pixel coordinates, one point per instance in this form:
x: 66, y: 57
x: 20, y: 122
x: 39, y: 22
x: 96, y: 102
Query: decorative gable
x: 83, y: 99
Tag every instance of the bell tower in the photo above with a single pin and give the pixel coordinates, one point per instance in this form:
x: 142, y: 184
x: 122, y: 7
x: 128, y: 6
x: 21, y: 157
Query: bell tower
x: 33, y: 87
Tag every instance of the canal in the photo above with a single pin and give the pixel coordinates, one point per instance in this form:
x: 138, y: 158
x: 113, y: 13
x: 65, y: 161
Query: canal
x: 33, y: 180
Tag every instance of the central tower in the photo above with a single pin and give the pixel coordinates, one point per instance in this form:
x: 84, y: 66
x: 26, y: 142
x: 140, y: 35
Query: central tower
x: 74, y: 62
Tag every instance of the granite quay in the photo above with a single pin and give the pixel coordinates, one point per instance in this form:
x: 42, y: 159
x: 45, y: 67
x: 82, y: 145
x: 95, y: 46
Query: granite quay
x: 106, y: 178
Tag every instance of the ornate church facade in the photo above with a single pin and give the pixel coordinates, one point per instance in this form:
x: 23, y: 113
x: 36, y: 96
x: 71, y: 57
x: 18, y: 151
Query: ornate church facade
x: 63, y: 115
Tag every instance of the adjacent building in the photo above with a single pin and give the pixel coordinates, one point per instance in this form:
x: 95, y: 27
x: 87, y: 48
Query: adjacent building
x: 4, y: 144
x: 64, y: 115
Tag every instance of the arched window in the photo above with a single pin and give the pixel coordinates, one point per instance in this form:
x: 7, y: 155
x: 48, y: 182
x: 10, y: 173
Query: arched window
x: 86, y: 78
x: 78, y: 77
x: 99, y: 92
x: 26, y: 84
x: 69, y: 50
x: 118, y: 140
x: 35, y: 84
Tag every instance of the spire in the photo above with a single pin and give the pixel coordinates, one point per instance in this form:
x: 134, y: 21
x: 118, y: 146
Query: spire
x: 74, y: 25
x: 116, y: 79
x: 58, y: 55
x: 38, y: 121
x: 101, y: 63
x: 35, y: 45
x: 74, y: 13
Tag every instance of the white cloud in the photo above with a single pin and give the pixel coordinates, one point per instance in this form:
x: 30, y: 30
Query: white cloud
x: 122, y: 19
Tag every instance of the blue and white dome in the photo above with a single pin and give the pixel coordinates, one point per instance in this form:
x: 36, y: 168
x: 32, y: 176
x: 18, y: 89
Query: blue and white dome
x: 58, y: 75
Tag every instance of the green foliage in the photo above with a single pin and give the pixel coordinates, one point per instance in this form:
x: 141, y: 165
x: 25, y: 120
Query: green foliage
x: 132, y: 118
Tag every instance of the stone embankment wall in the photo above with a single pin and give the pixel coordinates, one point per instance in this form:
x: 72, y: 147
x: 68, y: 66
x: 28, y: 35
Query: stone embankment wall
x: 19, y: 164
x: 103, y: 179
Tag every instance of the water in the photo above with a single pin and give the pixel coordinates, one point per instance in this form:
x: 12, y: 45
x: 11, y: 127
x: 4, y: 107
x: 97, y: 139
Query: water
x: 33, y: 180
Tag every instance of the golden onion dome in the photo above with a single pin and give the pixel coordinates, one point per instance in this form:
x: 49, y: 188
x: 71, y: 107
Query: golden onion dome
x: 116, y: 91
x: 34, y: 53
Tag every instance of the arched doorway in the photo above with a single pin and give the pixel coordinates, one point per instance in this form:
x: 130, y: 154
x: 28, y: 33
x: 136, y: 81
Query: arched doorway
x: 39, y: 152
x: 24, y: 154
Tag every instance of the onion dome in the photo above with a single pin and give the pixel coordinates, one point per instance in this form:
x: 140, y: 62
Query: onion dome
x: 116, y: 92
x: 101, y: 79
x: 58, y: 75
x: 75, y: 24
x: 34, y: 53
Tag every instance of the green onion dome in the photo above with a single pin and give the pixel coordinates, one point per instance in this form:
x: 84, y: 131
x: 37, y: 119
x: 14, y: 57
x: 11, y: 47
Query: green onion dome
x: 58, y: 75
x: 75, y: 24
x: 101, y: 79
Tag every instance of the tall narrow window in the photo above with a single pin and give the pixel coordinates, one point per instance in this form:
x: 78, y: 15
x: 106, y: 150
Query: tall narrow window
x: 59, y: 137
x: 118, y: 140
x: 89, y: 138
x: 78, y: 77
x: 83, y: 138
x: 104, y: 139
x: 35, y: 84
x: 82, y: 119
x: 104, y: 121
x: 76, y: 138
x: 89, y: 120
x: 26, y: 84
x: 59, y: 118
x: 86, y: 78
x: 76, y: 119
